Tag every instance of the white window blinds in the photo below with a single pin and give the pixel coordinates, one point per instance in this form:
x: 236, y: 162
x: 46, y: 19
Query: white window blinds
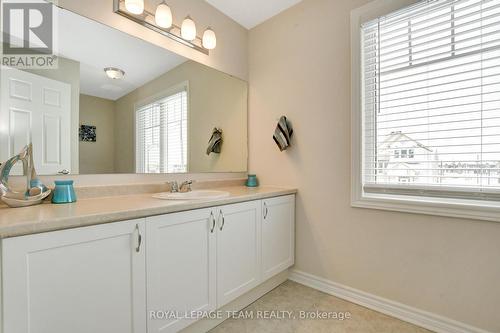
x: 431, y: 99
x: 161, y: 135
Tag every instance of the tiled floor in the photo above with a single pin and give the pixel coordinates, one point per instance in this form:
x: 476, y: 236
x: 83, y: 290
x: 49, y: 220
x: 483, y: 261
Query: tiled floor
x: 295, y: 298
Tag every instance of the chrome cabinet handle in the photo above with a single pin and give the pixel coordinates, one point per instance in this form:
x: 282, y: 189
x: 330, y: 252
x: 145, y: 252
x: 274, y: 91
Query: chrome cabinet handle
x: 139, y: 239
x: 212, y: 217
x: 223, y: 220
x: 63, y: 172
x: 265, y: 210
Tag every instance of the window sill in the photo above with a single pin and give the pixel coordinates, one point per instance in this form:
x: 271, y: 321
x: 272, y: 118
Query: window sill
x: 458, y: 208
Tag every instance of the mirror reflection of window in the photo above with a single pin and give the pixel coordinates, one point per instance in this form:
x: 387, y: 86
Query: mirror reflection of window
x: 161, y: 135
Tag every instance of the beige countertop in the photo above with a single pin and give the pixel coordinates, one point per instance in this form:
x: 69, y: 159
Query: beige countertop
x: 48, y: 217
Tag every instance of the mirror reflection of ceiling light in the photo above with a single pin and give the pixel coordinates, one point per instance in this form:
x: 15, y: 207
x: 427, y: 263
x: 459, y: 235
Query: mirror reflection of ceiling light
x: 114, y: 73
x: 161, y: 21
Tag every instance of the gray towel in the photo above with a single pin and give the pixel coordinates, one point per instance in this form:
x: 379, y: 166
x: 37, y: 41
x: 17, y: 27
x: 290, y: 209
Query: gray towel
x: 283, y: 133
x: 215, y: 142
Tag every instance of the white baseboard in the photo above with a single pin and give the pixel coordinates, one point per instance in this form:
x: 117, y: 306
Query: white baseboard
x: 406, y: 313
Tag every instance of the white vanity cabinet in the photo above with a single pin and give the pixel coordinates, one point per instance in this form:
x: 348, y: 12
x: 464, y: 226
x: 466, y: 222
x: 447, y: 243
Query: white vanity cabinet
x: 200, y: 260
x: 181, y: 271
x: 77, y: 280
x: 144, y: 275
x: 278, y: 234
x: 238, y: 250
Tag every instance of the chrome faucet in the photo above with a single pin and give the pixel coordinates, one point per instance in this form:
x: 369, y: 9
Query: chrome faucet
x: 183, y: 188
x: 186, y: 186
x: 174, y: 186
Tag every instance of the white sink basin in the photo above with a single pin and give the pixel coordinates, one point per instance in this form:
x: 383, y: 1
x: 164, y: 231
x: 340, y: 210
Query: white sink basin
x: 193, y: 195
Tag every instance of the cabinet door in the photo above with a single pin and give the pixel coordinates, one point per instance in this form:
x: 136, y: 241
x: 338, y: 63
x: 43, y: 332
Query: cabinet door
x: 180, y: 267
x: 278, y: 234
x: 80, y: 280
x: 238, y: 250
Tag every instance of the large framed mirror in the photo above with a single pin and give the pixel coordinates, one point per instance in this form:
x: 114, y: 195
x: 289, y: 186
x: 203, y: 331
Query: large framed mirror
x: 117, y: 104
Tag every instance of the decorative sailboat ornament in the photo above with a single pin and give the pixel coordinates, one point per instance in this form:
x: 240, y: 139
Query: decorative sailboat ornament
x: 34, y: 192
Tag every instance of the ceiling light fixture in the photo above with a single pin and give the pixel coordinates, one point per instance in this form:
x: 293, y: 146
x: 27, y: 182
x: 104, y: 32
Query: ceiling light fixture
x: 114, y: 73
x: 161, y: 21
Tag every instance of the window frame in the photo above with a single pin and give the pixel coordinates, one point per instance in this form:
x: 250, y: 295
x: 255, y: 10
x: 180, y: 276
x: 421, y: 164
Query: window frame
x: 177, y: 88
x: 440, y: 206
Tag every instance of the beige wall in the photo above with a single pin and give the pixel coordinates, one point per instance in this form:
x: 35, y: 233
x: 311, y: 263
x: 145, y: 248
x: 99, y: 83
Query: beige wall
x: 215, y: 100
x: 299, y: 64
x: 98, y: 157
x: 68, y: 71
x: 230, y: 56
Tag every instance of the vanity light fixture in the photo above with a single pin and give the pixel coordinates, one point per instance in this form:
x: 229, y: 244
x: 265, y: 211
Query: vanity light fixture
x: 114, y: 73
x: 161, y: 21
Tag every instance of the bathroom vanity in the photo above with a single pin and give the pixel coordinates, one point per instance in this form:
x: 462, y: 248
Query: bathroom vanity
x: 116, y: 263
x: 144, y: 273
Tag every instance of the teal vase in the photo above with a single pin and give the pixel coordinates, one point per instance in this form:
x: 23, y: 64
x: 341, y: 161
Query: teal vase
x: 252, y: 181
x: 63, y: 192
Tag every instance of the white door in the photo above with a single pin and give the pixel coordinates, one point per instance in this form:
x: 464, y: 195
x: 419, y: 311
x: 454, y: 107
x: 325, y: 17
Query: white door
x: 35, y: 109
x: 238, y: 250
x: 181, y: 250
x: 278, y: 234
x: 80, y: 280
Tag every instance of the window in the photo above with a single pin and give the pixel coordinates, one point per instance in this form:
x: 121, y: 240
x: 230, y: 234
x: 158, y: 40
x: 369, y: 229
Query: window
x: 426, y: 102
x: 431, y: 78
x: 161, y: 134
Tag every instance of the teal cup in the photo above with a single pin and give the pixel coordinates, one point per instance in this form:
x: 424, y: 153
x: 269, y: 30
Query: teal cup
x: 63, y: 192
x: 252, y: 181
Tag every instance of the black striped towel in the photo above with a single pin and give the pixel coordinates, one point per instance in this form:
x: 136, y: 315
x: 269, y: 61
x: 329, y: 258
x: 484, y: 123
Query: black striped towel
x: 283, y: 133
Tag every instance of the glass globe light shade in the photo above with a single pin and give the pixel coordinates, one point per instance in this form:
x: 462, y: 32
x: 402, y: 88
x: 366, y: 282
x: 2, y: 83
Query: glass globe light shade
x: 135, y: 6
x: 188, y: 29
x: 209, y: 39
x: 163, y: 16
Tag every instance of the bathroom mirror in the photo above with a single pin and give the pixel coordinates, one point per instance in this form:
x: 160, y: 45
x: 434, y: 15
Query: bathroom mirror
x: 117, y: 104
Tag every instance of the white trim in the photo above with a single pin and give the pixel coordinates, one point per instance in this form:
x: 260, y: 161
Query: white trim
x: 394, y: 309
x: 459, y: 208
x: 476, y: 210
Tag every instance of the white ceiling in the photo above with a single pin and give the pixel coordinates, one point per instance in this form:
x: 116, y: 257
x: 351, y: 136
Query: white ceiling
x: 97, y: 46
x: 250, y: 13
